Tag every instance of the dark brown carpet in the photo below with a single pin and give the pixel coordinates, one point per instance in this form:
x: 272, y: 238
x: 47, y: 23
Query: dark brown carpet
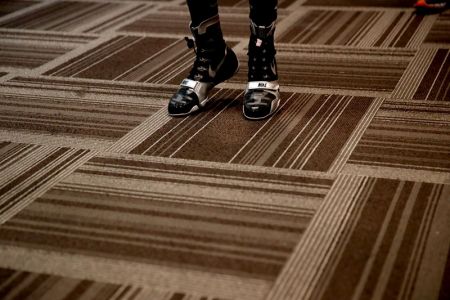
x: 343, y: 194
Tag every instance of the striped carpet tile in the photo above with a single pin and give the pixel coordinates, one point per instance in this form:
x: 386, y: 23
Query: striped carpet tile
x: 27, y: 170
x: 10, y: 6
x: 82, y: 114
x: 30, y: 50
x: 338, y: 68
x: 132, y: 58
x: 353, y: 28
x: 377, y: 3
x: 409, y: 221
x: 435, y: 84
x: 295, y: 138
x: 128, y: 58
x: 342, y: 194
x: 16, y: 284
x: 241, y: 9
x: 374, y: 238
x: 74, y: 16
x: 439, y: 33
x: 407, y: 135
x: 183, y: 216
x: 234, y: 25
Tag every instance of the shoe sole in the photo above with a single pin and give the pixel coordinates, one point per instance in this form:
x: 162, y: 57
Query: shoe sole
x: 193, y: 109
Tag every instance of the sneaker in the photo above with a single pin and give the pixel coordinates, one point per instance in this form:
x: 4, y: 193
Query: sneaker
x: 262, y: 95
x: 431, y: 6
x: 215, y: 62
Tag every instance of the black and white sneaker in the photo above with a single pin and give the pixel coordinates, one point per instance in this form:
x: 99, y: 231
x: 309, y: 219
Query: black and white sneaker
x: 215, y: 62
x: 262, y: 95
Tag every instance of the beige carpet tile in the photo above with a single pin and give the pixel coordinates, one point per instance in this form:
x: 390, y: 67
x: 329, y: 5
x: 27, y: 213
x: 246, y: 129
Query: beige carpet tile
x: 354, y: 28
x: 373, y: 238
x: 28, y: 50
x: 27, y: 171
x: 26, y: 285
x: 74, y: 113
x: 176, y: 215
x: 148, y: 277
x: 80, y: 16
x: 407, y: 135
x: 439, y: 33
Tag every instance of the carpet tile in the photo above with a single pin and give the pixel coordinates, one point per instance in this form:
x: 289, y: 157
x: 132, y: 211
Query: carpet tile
x: 75, y: 113
x: 235, y: 25
x: 338, y: 68
x: 342, y: 194
x: 39, y: 286
x: 407, y: 135
x: 436, y: 82
x: 295, y: 138
x: 232, y: 231
x: 439, y: 32
x: 27, y: 50
x: 74, y: 16
x: 27, y: 170
x: 408, y: 228
x: 354, y: 28
x: 126, y: 58
x: 10, y: 6
x: 370, y: 3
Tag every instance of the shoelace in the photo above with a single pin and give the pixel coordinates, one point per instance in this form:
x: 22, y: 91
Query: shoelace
x: 201, y: 63
x: 260, y: 61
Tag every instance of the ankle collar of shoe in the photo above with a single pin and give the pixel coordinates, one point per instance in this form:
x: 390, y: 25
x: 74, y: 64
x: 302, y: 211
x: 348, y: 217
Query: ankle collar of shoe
x: 262, y: 32
x: 202, y: 28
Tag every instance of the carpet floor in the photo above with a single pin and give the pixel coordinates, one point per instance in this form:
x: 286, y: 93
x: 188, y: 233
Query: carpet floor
x: 343, y: 194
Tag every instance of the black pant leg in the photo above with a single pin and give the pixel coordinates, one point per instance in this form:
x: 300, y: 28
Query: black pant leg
x: 263, y: 12
x: 202, y: 10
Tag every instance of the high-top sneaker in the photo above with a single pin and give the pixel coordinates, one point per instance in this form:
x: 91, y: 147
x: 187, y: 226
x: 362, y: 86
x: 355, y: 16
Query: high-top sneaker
x: 215, y: 62
x: 262, y: 96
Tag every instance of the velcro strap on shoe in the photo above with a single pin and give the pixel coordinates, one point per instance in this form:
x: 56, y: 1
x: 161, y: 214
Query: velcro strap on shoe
x: 265, y: 85
x: 201, y: 89
x: 189, y: 83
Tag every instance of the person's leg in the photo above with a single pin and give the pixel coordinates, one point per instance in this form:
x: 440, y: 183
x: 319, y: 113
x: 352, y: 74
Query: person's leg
x: 201, y: 10
x: 214, y: 63
x: 263, y: 12
x: 262, y: 96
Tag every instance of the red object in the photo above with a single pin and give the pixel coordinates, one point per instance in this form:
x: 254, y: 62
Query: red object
x: 429, y: 5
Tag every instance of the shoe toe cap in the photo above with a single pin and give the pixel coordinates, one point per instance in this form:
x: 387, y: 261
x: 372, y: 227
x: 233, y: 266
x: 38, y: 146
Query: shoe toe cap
x: 182, y: 103
x: 259, y: 104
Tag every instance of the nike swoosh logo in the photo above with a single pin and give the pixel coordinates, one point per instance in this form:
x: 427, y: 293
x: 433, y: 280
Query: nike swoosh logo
x: 212, y: 73
x: 272, y: 66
